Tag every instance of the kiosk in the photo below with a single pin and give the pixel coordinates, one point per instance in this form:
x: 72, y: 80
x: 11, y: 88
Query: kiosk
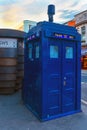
x: 52, y: 71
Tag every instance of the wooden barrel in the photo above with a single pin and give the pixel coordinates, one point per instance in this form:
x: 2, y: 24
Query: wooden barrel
x: 20, y: 64
x: 8, y: 65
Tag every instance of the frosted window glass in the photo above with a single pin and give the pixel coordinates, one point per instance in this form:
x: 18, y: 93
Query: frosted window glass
x: 30, y: 51
x: 69, y: 52
x: 53, y: 51
x: 37, y: 52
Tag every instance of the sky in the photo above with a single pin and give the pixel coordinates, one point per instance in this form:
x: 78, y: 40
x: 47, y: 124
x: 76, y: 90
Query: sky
x: 13, y: 12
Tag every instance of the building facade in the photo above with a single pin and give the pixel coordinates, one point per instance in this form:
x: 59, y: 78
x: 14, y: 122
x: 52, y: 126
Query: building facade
x: 26, y: 25
x: 81, y: 25
x: 80, y: 22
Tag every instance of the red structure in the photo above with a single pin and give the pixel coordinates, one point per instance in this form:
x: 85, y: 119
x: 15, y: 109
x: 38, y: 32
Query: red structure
x: 84, y: 62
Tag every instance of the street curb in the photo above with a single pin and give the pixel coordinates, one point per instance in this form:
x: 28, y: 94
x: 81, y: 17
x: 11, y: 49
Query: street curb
x: 84, y: 102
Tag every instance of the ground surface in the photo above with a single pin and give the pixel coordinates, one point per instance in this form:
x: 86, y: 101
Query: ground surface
x: 15, y: 116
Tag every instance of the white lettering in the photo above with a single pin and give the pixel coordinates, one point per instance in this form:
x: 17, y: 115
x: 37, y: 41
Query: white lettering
x: 8, y: 43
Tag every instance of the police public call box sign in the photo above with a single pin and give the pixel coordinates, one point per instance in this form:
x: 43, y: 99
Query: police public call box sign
x: 8, y: 43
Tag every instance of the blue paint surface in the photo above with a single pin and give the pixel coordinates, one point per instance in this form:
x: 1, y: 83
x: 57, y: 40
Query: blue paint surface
x: 52, y: 73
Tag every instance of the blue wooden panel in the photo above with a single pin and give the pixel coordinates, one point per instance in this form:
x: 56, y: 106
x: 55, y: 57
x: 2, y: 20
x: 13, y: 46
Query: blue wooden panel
x: 51, y: 85
x: 69, y: 76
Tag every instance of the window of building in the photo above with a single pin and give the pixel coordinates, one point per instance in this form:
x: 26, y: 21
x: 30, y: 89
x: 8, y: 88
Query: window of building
x: 53, y: 51
x: 78, y: 29
x: 83, y: 38
x: 30, y: 26
x: 69, y: 53
x: 83, y: 30
x: 30, y: 51
x: 37, y: 51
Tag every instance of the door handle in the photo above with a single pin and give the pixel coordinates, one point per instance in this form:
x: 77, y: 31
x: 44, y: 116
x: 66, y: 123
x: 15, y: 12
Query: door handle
x: 64, y: 78
x: 64, y: 83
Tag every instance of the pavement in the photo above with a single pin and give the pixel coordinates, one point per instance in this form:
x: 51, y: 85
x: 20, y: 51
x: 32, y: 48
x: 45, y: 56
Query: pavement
x: 84, y: 86
x: 84, y: 76
x: 15, y: 116
x: 84, y: 91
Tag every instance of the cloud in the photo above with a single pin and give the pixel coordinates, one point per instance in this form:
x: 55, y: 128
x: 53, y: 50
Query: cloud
x: 10, y: 15
x: 13, y: 12
x: 66, y: 15
x: 74, y: 4
x: 68, y: 9
x: 8, y: 2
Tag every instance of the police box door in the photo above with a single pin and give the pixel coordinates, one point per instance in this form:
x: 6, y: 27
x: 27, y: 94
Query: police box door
x: 61, y: 72
x: 68, y: 76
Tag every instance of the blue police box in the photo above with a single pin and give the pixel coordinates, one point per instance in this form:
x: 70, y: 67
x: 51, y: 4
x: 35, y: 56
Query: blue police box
x: 52, y: 71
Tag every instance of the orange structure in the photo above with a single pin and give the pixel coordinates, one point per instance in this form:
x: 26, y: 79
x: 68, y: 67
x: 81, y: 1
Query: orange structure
x: 84, y: 62
x: 71, y: 23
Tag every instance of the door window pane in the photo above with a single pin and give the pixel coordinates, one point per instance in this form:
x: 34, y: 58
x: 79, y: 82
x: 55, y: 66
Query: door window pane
x: 53, y: 51
x: 69, y: 52
x: 37, y: 52
x: 30, y: 51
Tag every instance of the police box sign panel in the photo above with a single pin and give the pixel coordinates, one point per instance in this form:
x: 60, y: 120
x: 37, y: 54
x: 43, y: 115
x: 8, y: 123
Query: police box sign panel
x: 8, y: 43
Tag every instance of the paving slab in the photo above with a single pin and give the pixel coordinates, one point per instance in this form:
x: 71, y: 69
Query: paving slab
x: 15, y: 116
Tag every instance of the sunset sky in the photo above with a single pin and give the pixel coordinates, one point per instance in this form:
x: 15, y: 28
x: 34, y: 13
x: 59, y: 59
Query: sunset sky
x: 13, y: 12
